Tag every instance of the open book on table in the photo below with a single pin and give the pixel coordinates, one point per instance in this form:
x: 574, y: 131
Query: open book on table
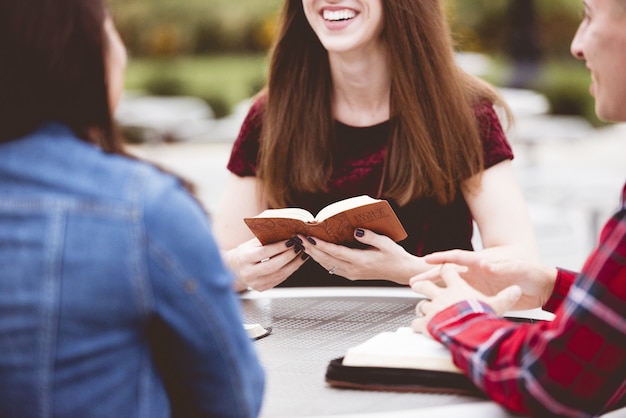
x: 402, y: 361
x: 406, y: 361
x: 334, y: 223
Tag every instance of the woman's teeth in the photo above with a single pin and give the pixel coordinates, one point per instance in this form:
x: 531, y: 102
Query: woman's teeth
x: 338, y: 15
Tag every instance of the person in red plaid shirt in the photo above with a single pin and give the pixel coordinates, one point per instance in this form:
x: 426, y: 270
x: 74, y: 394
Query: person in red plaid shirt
x: 575, y: 365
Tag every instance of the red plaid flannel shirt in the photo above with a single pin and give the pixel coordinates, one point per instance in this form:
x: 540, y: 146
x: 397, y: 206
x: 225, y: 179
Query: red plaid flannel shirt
x: 574, y: 366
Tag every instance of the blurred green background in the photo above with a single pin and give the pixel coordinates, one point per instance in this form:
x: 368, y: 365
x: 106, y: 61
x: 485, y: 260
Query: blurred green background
x: 216, y: 49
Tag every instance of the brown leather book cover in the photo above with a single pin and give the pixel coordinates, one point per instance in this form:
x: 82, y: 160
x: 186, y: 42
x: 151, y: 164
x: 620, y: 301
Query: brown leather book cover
x: 398, y: 380
x: 335, y: 223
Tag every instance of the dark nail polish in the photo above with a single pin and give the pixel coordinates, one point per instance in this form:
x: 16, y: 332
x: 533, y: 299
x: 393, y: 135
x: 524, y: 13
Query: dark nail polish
x: 305, y: 256
x: 359, y: 232
x: 290, y: 243
x: 297, y: 239
x: 298, y: 248
x: 311, y: 240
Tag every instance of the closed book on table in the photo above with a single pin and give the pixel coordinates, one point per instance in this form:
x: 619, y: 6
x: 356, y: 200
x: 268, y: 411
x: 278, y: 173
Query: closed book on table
x: 402, y: 361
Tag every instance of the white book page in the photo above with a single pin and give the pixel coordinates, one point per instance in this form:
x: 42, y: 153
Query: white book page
x: 292, y: 213
x: 340, y: 206
x: 401, y: 349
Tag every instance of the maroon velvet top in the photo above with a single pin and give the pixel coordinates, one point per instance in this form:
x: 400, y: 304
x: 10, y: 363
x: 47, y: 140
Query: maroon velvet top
x: 358, y: 165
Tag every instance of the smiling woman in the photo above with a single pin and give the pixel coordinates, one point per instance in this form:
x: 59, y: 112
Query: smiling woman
x: 340, y: 27
x: 364, y: 97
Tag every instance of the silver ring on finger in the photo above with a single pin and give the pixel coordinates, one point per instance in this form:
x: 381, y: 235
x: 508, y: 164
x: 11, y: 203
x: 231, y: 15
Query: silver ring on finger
x: 418, y: 308
x: 332, y: 270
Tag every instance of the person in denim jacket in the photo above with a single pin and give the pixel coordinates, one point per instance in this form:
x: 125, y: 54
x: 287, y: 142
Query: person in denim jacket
x: 114, y: 301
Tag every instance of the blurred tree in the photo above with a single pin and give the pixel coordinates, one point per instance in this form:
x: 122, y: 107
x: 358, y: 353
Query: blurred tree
x: 485, y: 25
x: 476, y: 24
x: 523, y: 44
x: 175, y: 28
x: 246, y: 25
x: 183, y: 27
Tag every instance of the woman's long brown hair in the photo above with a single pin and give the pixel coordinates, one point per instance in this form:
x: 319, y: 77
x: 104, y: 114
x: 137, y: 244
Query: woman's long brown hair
x: 53, y: 55
x: 54, y: 69
x: 434, y: 141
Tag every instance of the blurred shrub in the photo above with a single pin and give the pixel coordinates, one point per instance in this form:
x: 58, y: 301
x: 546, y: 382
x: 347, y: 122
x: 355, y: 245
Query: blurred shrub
x: 160, y: 84
x: 483, y: 25
x: 167, y: 84
x: 473, y: 23
x: 174, y: 28
x: 565, y: 83
x: 223, y: 80
x: 210, y: 37
x: 218, y: 103
x: 158, y: 27
x: 177, y: 27
x: 165, y: 40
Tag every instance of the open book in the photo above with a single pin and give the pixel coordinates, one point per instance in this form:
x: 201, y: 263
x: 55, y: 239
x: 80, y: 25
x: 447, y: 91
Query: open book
x: 403, y: 348
x: 334, y: 223
x: 403, y: 361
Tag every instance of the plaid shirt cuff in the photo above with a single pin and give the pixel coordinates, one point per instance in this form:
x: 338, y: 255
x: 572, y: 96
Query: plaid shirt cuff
x: 564, y: 280
x: 455, y: 315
